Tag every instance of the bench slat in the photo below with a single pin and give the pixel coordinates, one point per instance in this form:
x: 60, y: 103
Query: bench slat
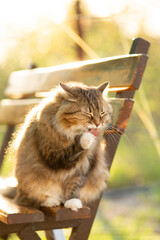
x: 61, y: 213
x: 122, y: 72
x: 11, y: 213
x: 121, y: 112
x: 14, y: 111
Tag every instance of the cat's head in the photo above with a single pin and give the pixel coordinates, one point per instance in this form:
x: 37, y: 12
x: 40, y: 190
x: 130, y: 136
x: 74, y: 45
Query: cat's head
x: 83, y: 108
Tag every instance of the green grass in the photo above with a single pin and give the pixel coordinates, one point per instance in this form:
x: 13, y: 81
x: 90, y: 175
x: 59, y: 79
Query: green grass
x: 136, y: 163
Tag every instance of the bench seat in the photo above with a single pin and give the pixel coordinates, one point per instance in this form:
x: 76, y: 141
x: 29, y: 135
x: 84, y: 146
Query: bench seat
x: 12, y: 213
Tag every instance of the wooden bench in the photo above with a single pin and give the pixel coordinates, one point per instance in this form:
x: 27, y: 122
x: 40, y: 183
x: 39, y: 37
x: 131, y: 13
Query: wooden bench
x: 25, y: 89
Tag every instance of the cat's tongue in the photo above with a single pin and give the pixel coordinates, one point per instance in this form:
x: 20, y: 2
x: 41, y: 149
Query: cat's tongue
x: 94, y: 131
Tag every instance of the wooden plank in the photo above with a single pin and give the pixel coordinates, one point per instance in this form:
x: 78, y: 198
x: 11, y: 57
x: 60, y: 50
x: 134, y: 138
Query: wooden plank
x: 117, y: 105
x: 82, y: 231
x: 56, y: 234
x: 14, y: 111
x: 19, y: 109
x: 113, y: 137
x: 28, y: 233
x: 11, y: 213
x: 48, y: 224
x: 121, y: 112
x: 61, y: 213
x: 139, y: 45
x: 119, y: 71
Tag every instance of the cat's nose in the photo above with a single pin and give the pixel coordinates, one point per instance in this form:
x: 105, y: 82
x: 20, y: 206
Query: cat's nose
x: 97, y: 124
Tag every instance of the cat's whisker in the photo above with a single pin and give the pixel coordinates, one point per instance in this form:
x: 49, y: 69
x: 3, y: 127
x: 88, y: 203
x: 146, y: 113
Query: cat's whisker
x: 119, y: 132
x: 112, y: 138
x: 114, y: 134
x: 115, y: 137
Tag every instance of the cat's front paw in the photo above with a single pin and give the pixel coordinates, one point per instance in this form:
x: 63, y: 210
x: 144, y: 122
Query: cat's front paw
x: 50, y: 202
x: 73, y: 203
x: 86, y: 140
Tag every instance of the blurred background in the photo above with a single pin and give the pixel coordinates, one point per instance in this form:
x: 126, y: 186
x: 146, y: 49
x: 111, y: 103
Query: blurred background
x: 51, y: 32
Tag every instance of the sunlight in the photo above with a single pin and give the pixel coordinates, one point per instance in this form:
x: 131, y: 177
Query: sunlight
x: 130, y: 15
x: 19, y: 17
x: 27, y: 13
x: 8, y: 182
x: 152, y: 23
x: 105, y: 8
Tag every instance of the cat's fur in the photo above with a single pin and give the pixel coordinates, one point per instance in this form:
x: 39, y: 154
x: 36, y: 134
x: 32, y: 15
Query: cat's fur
x: 59, y: 160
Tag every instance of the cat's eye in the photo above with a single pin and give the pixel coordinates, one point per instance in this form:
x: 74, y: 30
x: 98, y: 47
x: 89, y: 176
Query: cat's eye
x: 88, y: 114
x: 89, y: 110
x: 102, y: 114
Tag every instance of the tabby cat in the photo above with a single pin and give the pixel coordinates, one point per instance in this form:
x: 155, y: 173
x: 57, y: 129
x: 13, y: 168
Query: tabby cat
x: 59, y: 150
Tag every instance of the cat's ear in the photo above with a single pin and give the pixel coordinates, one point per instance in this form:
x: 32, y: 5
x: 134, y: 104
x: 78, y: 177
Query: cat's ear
x: 67, y: 88
x: 103, y: 86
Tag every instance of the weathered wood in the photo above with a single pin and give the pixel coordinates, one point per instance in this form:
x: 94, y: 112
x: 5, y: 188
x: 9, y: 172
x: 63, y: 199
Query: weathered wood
x: 119, y: 71
x: 28, y: 234
x: 124, y: 115
x: 120, y: 110
x: 82, y: 231
x: 56, y: 234
x: 19, y: 109
x: 13, y: 112
x: 112, y: 142
x: 61, y: 213
x: 139, y: 45
x: 49, y: 235
x: 11, y: 213
x: 113, y: 136
x: 48, y: 224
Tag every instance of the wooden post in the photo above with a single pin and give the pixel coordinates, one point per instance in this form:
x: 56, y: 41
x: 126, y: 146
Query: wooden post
x: 80, y: 52
x: 82, y: 231
x: 139, y: 45
x: 28, y: 234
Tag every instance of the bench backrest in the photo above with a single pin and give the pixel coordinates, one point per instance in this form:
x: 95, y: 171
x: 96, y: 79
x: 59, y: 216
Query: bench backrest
x: 124, y: 74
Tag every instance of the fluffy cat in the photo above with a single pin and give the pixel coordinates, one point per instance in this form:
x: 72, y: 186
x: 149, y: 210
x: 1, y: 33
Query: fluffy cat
x: 59, y: 150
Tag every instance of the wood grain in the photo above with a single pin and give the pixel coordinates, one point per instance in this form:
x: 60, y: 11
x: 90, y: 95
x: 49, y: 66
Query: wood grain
x: 119, y: 71
x: 14, y: 111
x: 61, y: 213
x: 11, y: 213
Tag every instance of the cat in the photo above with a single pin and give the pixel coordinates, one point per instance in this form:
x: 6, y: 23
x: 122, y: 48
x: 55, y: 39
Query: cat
x: 59, y: 149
